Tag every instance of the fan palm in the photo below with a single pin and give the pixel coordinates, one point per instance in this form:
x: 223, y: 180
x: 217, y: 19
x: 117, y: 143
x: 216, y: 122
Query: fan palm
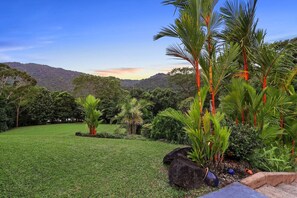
x: 188, y: 29
x: 240, y: 27
x: 131, y: 114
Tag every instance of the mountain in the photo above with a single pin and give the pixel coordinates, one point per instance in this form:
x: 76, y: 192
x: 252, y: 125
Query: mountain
x: 158, y: 80
x: 58, y: 79
x: 54, y: 79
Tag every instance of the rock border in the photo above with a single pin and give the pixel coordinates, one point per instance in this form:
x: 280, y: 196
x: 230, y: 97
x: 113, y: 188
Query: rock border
x: 271, y: 178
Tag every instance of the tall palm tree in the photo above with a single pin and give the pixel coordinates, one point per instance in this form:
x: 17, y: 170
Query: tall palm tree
x: 211, y: 20
x: 221, y: 67
x: 240, y: 27
x: 270, y: 62
x: 188, y: 29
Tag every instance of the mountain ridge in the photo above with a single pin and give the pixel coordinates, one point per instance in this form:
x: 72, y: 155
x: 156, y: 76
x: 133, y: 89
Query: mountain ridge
x: 59, y: 79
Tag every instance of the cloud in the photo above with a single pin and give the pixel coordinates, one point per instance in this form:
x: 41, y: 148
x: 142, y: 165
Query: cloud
x: 118, y: 71
x: 6, y: 46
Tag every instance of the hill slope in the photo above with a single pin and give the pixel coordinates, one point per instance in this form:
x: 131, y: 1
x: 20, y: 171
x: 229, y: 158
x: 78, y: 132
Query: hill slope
x: 58, y: 79
x: 54, y: 79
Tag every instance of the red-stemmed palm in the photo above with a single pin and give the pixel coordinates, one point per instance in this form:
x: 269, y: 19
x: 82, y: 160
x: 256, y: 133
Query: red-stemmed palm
x: 188, y: 29
x: 240, y: 27
x: 270, y: 62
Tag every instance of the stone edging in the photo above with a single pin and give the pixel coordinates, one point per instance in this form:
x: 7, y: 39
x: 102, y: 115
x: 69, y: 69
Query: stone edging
x: 259, y: 179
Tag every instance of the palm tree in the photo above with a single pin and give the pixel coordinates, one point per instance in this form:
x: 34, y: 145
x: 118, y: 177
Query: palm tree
x: 269, y: 62
x: 233, y: 104
x: 131, y: 114
x: 240, y: 27
x: 206, y: 145
x: 211, y: 21
x: 188, y: 29
x: 221, y: 68
x: 90, y: 104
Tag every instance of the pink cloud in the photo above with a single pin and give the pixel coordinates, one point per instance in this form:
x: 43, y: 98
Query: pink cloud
x: 117, y: 71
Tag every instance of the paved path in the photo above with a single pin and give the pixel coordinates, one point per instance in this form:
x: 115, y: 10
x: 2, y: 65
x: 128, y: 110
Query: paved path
x: 279, y: 191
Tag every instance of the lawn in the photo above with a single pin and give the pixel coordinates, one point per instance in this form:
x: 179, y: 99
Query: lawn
x: 49, y: 161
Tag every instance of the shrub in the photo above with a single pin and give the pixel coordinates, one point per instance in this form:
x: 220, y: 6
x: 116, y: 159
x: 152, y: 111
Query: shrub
x: 168, y: 128
x: 273, y: 158
x: 146, y: 130
x: 243, y: 140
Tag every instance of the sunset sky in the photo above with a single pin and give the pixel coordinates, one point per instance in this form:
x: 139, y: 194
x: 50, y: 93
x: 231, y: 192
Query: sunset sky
x: 108, y: 37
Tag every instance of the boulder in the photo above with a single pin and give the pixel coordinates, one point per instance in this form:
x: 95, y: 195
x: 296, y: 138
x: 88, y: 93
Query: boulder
x: 173, y: 154
x: 78, y: 134
x: 185, y: 174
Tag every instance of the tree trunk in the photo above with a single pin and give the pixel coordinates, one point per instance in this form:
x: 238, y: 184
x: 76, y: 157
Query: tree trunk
x: 246, y: 67
x: 94, y: 131
x: 213, y: 102
x: 264, y: 86
x: 198, y: 82
x: 242, y: 117
x: 17, y: 116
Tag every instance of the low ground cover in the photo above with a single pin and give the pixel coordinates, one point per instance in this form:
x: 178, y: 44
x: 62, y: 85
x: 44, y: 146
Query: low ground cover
x: 51, y: 161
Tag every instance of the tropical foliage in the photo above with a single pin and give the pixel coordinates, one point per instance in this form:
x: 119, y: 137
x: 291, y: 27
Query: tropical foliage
x: 131, y: 114
x: 90, y: 105
x: 208, y: 143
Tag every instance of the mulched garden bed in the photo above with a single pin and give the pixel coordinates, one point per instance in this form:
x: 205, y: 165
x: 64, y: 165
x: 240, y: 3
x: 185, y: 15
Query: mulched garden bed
x: 239, y: 168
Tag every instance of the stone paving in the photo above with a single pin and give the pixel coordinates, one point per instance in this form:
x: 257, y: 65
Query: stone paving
x: 272, y: 185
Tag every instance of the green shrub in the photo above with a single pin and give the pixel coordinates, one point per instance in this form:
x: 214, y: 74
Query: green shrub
x: 3, y: 116
x: 168, y: 129
x: 273, y: 158
x: 146, y: 130
x: 243, y: 140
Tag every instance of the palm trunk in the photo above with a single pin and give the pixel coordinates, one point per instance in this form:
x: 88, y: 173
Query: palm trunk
x: 281, y: 121
x: 242, y: 117
x: 213, y: 103
x: 246, y: 67
x: 236, y: 121
x: 264, y: 86
x: 198, y: 82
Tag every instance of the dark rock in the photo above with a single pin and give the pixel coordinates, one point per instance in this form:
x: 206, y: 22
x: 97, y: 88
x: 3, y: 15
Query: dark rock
x: 78, y: 134
x: 173, y: 154
x: 185, y: 174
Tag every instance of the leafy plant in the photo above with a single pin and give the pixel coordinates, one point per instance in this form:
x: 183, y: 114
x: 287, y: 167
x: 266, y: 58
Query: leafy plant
x: 273, y: 158
x: 208, y: 143
x: 243, y: 140
x: 146, y: 130
x: 131, y: 114
x: 90, y: 104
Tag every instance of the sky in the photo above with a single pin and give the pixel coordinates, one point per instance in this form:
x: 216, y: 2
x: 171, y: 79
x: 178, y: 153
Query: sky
x: 111, y: 37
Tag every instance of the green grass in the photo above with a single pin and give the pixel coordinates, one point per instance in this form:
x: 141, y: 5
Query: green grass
x: 49, y: 161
